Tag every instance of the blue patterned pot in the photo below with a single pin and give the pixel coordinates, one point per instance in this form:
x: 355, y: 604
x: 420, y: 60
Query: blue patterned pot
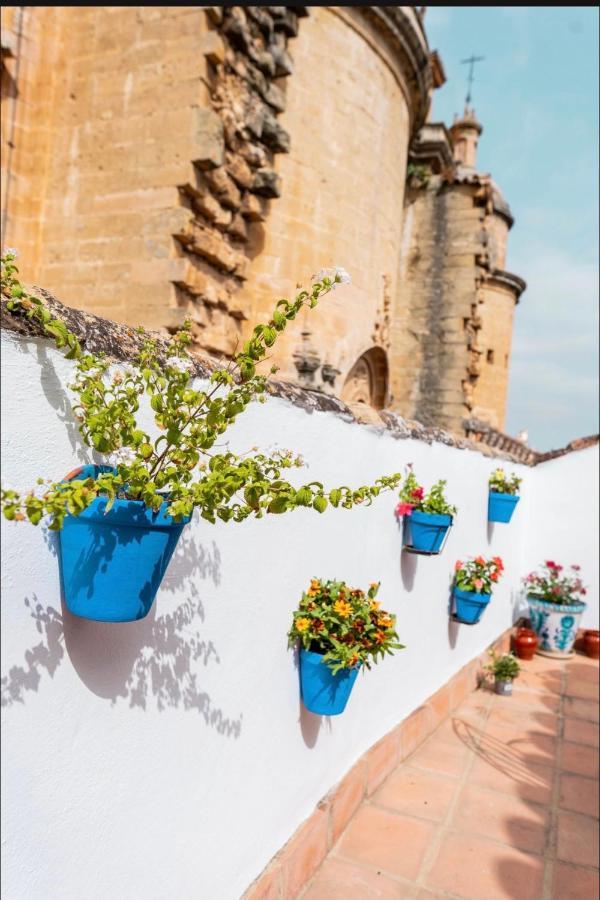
x: 556, y: 626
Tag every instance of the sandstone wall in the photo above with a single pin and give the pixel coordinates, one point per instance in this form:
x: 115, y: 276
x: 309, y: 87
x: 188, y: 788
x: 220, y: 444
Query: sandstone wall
x: 496, y: 311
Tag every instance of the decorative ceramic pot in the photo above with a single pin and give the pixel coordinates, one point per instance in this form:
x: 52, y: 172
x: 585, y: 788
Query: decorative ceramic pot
x: 525, y: 643
x: 591, y: 643
x: 503, y: 686
x: 469, y: 605
x: 556, y: 626
x: 112, y: 563
x: 425, y: 531
x: 323, y: 692
x: 501, y: 506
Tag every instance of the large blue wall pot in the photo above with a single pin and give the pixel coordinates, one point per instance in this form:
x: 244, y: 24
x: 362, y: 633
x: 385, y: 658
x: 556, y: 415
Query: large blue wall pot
x: 469, y: 605
x: 501, y: 506
x: 112, y: 563
x: 323, y: 692
x: 426, y: 531
x: 555, y: 625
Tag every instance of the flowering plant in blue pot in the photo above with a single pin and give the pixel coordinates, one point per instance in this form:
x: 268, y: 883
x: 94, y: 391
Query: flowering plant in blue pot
x: 427, y: 516
x: 473, y: 582
x: 340, y: 630
x: 120, y: 521
x: 555, y: 607
x: 503, y: 495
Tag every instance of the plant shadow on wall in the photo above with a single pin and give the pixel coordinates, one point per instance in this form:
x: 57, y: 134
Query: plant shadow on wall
x: 154, y: 660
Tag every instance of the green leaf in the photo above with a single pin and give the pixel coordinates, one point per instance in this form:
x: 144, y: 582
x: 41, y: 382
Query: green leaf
x: 320, y: 503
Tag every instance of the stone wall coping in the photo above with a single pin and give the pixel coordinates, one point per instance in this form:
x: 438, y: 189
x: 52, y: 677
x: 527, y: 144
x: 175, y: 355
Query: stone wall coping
x: 121, y: 343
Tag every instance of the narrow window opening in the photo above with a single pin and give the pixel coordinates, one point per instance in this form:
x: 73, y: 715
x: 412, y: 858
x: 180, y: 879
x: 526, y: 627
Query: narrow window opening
x: 490, y: 356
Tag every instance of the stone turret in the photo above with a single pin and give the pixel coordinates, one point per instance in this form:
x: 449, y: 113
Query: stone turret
x: 464, y: 134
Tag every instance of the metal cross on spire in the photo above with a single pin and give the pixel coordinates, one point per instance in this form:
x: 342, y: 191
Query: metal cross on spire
x: 471, y: 63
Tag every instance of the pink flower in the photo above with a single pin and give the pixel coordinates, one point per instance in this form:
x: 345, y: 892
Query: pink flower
x: 583, y: 591
x: 550, y: 564
x: 458, y: 565
x: 556, y: 589
x: 478, y: 584
x: 576, y: 568
x: 404, y: 509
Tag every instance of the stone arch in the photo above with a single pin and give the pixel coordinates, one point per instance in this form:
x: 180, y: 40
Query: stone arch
x: 367, y: 380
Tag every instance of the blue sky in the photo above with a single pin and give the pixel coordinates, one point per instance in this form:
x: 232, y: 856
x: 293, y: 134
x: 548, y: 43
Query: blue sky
x: 536, y: 94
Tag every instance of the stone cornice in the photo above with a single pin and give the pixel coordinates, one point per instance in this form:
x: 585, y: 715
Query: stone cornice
x: 121, y: 343
x: 513, y: 283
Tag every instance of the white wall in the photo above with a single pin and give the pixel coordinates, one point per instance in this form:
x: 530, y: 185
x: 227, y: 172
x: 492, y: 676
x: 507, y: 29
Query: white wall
x: 564, y: 497
x: 171, y: 757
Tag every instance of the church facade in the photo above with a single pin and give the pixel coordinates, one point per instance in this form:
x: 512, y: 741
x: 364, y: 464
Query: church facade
x: 169, y: 162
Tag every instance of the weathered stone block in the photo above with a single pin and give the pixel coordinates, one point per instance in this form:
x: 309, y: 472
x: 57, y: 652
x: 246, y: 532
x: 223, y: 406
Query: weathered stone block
x: 274, y: 136
x: 224, y: 188
x: 238, y: 228
x: 253, y: 208
x: 267, y: 183
x: 208, y: 144
x: 213, y: 48
x: 239, y: 170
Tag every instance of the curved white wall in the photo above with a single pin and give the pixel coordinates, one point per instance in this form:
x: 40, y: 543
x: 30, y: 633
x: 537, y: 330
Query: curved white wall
x: 171, y: 757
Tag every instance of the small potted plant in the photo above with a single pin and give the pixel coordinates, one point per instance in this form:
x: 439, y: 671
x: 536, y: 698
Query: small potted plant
x: 119, y: 523
x: 340, y: 630
x: 426, y: 517
x: 505, y: 669
x: 473, y: 583
x: 555, y: 607
x: 503, y: 496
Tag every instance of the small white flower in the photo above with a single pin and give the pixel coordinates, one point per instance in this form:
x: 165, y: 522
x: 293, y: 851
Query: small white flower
x: 341, y: 276
x: 124, y: 456
x: 10, y: 251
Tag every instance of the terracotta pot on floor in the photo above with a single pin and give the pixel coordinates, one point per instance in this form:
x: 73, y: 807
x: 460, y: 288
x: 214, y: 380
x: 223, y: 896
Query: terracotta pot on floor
x: 526, y: 642
x: 591, y: 643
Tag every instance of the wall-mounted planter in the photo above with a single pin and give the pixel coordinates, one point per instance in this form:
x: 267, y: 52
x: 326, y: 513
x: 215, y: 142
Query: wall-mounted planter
x: 555, y: 625
x: 112, y: 563
x: 323, y: 692
x: 426, y: 532
x: 501, y: 506
x: 469, y: 605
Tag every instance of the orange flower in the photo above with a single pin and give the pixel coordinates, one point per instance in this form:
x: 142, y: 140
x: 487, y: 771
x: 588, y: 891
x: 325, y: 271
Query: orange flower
x: 480, y: 560
x: 312, y: 592
x: 302, y: 625
x: 498, y: 562
x: 353, y: 659
x: 373, y: 585
x: 384, y: 622
x: 494, y: 576
x: 374, y: 604
x: 342, y: 608
x: 380, y: 637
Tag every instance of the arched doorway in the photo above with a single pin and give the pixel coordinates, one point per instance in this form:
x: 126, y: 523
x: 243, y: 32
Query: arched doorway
x: 367, y: 380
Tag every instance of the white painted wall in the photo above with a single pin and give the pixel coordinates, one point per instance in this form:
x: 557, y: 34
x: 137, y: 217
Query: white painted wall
x: 564, y: 497
x: 171, y: 757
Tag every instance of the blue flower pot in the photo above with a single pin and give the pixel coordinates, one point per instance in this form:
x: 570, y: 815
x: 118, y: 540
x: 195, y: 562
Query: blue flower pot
x: 469, y: 605
x: 556, y: 626
x: 112, y: 563
x: 501, y: 506
x: 323, y: 692
x: 426, y: 531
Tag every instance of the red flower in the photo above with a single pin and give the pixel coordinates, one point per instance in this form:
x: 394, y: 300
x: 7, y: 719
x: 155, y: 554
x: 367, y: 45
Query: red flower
x: 494, y: 576
x: 550, y: 564
x: 498, y: 562
x: 418, y: 493
x: 583, y: 591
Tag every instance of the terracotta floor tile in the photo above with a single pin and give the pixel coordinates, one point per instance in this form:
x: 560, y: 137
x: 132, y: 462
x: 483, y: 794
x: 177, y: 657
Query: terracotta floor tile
x: 574, y: 883
x: 482, y: 870
x: 532, y: 700
x: 341, y: 880
x: 530, y: 744
x: 581, y: 709
x: 585, y: 688
x: 508, y: 773
x: 523, y: 718
x: 549, y: 682
x: 577, y: 839
x: 579, y: 759
x: 417, y: 793
x: 386, y: 840
x: 503, y: 818
x: 579, y: 732
x: 579, y: 794
x: 438, y: 756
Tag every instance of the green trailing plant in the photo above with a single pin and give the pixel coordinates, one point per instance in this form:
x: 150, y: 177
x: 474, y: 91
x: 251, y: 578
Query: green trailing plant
x: 417, y: 175
x: 503, y: 668
x: 413, y: 496
x: 182, y: 465
x: 500, y: 483
x: 346, y: 625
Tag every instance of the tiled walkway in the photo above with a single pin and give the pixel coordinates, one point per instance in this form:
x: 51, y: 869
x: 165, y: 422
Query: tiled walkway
x: 500, y: 802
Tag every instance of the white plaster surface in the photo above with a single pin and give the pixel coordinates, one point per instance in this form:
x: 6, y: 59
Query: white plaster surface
x: 171, y: 758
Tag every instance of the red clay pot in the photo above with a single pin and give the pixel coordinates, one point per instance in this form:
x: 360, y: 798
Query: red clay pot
x: 526, y: 642
x: 591, y: 644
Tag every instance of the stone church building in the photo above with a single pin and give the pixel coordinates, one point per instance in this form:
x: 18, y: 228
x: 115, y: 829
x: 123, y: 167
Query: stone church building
x: 166, y: 162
